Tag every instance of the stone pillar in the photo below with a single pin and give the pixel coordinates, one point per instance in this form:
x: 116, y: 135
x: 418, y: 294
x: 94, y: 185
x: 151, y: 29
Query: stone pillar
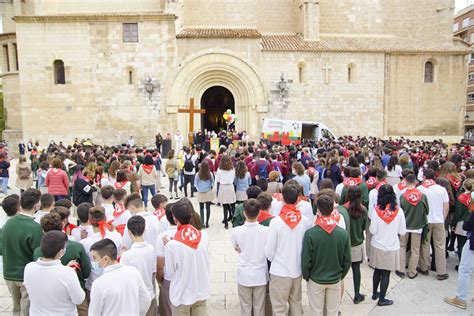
x: 310, y: 16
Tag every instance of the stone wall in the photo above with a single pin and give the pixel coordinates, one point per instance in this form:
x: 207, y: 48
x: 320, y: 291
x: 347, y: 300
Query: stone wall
x: 97, y: 100
x: 414, y: 107
x: 52, y: 7
x: 11, y: 100
x: 428, y: 20
x: 346, y: 108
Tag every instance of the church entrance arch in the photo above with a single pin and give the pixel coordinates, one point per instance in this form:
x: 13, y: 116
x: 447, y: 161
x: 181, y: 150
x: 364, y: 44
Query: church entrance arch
x: 216, y: 100
x: 207, y: 76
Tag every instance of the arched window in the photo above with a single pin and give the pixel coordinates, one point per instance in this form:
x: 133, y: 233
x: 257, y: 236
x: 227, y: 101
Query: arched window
x: 59, y: 74
x: 130, y: 75
x: 302, y: 73
x: 429, y: 71
x: 351, y: 73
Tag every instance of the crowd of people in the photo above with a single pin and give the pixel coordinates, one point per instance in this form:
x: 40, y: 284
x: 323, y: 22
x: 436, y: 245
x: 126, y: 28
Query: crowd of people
x: 307, y: 211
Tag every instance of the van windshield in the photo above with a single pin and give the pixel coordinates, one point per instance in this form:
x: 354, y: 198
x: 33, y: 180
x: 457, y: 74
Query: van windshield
x: 326, y: 134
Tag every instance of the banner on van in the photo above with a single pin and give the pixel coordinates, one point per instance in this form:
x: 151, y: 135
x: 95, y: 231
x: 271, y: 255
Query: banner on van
x: 284, y: 131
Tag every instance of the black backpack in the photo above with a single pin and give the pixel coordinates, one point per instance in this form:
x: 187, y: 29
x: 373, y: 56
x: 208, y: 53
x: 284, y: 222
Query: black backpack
x: 188, y: 164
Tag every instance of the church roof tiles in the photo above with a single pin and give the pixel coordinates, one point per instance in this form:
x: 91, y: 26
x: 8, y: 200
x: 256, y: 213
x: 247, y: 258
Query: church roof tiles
x: 218, y: 33
x: 355, y: 44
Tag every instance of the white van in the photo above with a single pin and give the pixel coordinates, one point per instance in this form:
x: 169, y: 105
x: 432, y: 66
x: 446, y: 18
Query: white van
x: 287, y: 131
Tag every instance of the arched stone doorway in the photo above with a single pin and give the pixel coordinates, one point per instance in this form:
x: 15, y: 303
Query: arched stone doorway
x: 205, y: 70
x: 216, y: 100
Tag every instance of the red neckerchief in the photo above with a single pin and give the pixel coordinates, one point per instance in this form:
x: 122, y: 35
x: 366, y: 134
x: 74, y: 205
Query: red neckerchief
x: 159, y: 212
x: 380, y: 184
x: 428, y: 183
x: 371, y: 183
x: 328, y: 223
x: 120, y: 228
x: 402, y: 185
x: 188, y: 235
x: 278, y: 197
x: 413, y: 196
x: 68, y: 228
x: 119, y: 209
x: 103, y: 225
x: 290, y: 215
x: 387, y: 215
x: 263, y: 216
x: 120, y: 185
x: 348, y: 182
x: 148, y: 168
x: 454, y: 181
x: 465, y: 199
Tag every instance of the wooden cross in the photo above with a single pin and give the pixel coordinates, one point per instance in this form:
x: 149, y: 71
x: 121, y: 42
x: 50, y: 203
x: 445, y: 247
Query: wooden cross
x: 192, y: 110
x: 327, y: 68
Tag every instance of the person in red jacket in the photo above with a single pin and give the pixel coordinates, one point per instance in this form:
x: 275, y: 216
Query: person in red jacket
x: 57, y: 181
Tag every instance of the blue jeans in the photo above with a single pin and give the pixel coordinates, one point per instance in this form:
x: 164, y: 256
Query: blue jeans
x: 145, y: 189
x: 466, y: 267
x: 4, y: 185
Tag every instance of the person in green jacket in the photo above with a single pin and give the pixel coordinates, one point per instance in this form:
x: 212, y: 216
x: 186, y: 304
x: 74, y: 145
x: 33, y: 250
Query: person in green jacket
x: 355, y: 179
x: 416, y: 208
x: 21, y: 236
x: 325, y: 259
x: 358, y: 224
x: 238, y: 219
x: 461, y: 214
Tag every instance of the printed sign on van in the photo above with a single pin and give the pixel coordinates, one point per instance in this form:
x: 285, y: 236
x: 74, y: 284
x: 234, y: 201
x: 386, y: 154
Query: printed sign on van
x: 285, y: 131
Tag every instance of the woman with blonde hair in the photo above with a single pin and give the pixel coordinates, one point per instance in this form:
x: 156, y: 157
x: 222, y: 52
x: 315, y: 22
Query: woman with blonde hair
x: 225, y: 176
x: 242, y: 181
x: 204, y: 182
x: 449, y: 171
x: 302, y: 178
x: 274, y: 184
x: 24, y: 178
x: 113, y: 168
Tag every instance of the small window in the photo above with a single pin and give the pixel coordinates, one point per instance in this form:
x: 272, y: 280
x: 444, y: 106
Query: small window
x: 351, y: 73
x: 6, y: 58
x: 130, y: 32
x: 130, y: 76
x: 15, y: 52
x: 59, y: 74
x: 465, y: 22
x: 470, y: 97
x: 455, y: 27
x: 302, y: 76
x: 471, y: 39
x: 471, y: 77
x: 429, y: 72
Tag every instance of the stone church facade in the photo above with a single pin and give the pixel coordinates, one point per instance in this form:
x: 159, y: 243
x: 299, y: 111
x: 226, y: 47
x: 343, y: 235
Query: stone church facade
x: 108, y: 70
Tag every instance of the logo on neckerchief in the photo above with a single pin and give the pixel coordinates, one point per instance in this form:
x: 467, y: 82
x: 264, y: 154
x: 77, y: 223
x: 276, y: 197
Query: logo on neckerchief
x: 428, y: 183
x: 387, y: 215
x: 188, y: 235
x: 290, y: 215
x: 413, y: 196
x: 348, y: 182
x: 328, y: 223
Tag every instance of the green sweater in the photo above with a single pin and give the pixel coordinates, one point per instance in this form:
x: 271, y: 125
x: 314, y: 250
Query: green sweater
x: 21, y: 236
x: 347, y: 218
x: 364, y: 194
x: 415, y: 216
x: 74, y: 251
x: 239, y: 217
x: 358, y: 227
x: 325, y: 258
x: 461, y: 212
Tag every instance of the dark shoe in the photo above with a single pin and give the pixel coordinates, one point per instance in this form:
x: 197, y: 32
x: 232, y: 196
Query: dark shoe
x: 400, y: 274
x: 385, y: 302
x: 433, y: 269
x: 423, y: 272
x: 207, y: 225
x: 375, y: 296
x: 223, y: 221
x: 456, y: 268
x: 226, y: 226
x: 442, y: 277
x: 450, y: 248
x: 171, y: 197
x: 412, y: 277
x: 180, y: 189
x: 359, y: 298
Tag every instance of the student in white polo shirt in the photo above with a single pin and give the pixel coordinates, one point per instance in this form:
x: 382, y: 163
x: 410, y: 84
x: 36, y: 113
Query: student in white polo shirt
x: 252, y: 270
x: 162, y: 277
x: 141, y: 256
x: 134, y: 204
x: 53, y: 289
x: 120, y: 290
x: 283, y: 249
x: 187, y: 264
x: 438, y: 201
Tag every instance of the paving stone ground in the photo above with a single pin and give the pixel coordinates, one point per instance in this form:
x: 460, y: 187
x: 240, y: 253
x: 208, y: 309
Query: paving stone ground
x: 421, y: 296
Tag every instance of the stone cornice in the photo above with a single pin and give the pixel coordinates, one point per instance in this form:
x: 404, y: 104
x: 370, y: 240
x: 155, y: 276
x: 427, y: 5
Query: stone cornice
x: 111, y: 17
x: 7, y: 36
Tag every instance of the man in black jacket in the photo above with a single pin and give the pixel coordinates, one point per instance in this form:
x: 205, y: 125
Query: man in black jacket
x: 466, y: 267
